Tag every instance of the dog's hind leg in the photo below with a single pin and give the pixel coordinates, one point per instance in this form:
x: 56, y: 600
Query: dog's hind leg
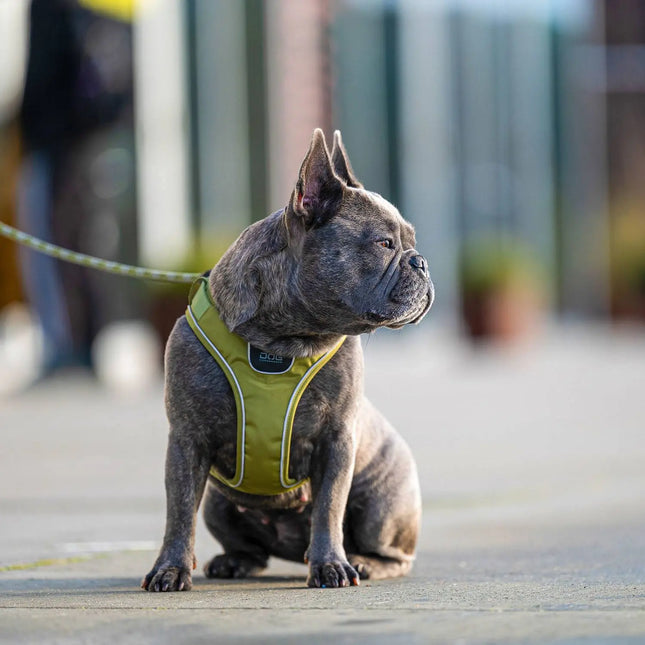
x: 245, y: 553
x: 381, y: 531
x: 233, y: 565
x: 377, y: 567
x: 381, y: 547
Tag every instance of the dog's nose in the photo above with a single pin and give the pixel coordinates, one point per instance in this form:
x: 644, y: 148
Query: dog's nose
x: 419, y: 262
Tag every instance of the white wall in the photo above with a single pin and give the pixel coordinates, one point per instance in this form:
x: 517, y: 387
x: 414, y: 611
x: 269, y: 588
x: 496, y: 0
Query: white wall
x: 161, y: 133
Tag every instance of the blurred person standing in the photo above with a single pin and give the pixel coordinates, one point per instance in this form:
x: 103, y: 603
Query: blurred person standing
x: 77, y: 102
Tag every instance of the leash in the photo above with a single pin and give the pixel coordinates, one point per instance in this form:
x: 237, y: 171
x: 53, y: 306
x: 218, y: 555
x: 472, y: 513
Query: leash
x: 94, y: 263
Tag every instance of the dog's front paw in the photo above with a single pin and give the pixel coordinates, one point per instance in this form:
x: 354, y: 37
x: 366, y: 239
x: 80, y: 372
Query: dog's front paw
x: 168, y: 578
x: 229, y: 565
x: 332, y: 574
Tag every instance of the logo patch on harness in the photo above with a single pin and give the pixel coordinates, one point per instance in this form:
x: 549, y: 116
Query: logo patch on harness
x: 267, y: 363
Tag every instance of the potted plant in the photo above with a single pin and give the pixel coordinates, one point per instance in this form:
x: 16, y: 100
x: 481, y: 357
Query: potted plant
x: 501, y: 290
x: 628, y: 266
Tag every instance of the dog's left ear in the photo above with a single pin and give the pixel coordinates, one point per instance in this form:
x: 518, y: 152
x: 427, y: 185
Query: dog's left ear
x: 340, y: 161
x: 318, y: 191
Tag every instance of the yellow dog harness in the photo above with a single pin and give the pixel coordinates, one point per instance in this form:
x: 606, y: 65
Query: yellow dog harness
x: 267, y: 389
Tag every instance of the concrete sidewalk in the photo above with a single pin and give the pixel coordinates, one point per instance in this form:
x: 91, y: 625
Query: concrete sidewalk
x: 532, y: 469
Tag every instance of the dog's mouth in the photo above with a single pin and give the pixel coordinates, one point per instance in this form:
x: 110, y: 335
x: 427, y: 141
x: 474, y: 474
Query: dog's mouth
x: 414, y: 317
x: 400, y: 317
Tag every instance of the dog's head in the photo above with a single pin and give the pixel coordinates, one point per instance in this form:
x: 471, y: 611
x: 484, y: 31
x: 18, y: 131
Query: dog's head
x: 356, y: 254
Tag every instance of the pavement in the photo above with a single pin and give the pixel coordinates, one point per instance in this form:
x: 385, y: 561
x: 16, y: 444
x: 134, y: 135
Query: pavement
x: 532, y: 470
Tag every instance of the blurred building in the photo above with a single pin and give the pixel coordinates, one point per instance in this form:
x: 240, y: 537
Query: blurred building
x: 473, y: 117
x: 489, y: 123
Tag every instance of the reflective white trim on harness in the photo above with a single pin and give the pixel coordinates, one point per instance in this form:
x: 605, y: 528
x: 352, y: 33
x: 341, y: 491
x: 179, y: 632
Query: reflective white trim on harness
x: 239, y: 390
x: 287, y: 415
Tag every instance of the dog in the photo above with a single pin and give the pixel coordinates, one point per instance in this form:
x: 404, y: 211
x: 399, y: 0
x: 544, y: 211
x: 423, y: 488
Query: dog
x: 303, y: 283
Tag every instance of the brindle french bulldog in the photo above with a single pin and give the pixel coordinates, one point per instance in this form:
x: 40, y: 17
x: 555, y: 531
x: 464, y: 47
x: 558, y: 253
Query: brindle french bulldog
x: 337, y: 260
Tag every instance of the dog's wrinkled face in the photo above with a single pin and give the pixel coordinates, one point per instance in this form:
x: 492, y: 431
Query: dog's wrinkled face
x: 358, y: 259
x: 363, y: 262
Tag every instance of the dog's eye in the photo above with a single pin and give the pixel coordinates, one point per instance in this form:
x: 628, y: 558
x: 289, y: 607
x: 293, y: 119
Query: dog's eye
x: 386, y: 244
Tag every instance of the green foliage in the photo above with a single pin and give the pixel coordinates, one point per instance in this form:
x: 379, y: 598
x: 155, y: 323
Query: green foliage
x: 628, y: 251
x: 202, y: 257
x: 489, y: 264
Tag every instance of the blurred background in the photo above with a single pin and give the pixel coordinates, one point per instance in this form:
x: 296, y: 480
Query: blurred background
x: 512, y: 134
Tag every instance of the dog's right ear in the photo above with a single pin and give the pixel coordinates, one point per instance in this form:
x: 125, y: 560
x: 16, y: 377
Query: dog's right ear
x: 318, y: 191
x: 340, y: 162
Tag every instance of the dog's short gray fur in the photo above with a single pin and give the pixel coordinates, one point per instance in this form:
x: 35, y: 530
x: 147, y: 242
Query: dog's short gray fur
x: 292, y: 284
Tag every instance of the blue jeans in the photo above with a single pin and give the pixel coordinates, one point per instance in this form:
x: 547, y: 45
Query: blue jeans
x: 41, y: 276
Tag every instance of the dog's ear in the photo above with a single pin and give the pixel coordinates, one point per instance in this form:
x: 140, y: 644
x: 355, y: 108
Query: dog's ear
x: 242, y: 302
x: 340, y: 162
x: 318, y: 191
